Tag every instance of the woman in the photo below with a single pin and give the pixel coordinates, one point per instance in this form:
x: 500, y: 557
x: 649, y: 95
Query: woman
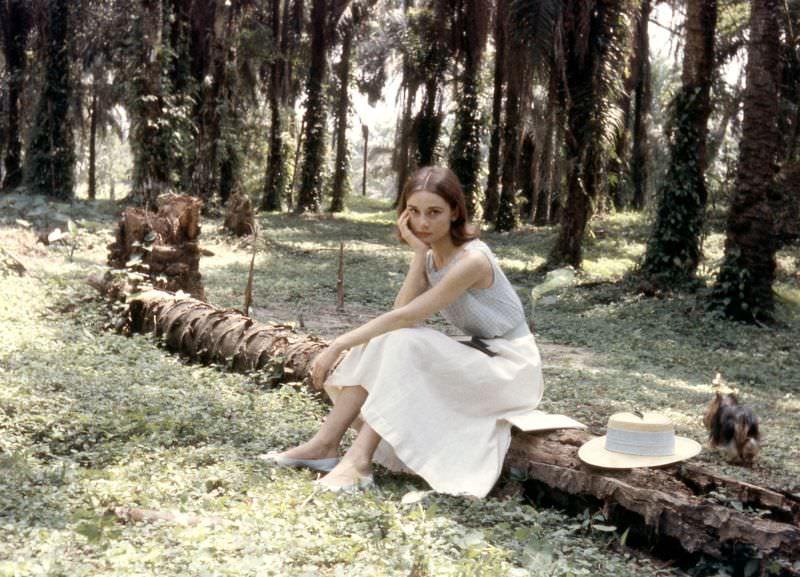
x: 423, y: 401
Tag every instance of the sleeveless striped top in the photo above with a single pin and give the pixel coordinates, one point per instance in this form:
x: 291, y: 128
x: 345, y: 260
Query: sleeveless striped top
x: 482, y: 312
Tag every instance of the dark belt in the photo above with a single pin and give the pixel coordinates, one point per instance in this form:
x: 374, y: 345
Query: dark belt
x: 479, y: 344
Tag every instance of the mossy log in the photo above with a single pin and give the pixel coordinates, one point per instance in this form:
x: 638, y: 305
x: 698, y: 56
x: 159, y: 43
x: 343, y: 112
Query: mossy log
x: 670, y: 506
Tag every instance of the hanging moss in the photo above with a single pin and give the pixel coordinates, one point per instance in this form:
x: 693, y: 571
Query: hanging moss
x: 51, y: 153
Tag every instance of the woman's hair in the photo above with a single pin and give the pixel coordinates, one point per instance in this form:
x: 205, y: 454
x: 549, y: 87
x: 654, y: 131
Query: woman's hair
x: 441, y: 181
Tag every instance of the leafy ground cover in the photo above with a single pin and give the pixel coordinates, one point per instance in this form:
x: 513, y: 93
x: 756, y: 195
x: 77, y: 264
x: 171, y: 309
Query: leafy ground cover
x: 90, y: 420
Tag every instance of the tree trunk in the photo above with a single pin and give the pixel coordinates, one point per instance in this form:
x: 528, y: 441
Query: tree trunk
x: 527, y: 184
x: 507, y: 207
x: 51, y: 153
x: 641, y: 109
x: 492, y: 199
x: 16, y: 25
x: 428, y: 124
x: 93, y: 143
x: 341, y: 171
x: 586, y: 52
x: 365, y: 133
x: 148, y: 139
x: 547, y: 160
x: 311, y: 178
x: 665, y: 506
x: 404, y: 141
x: 744, y: 285
x: 673, y: 251
x: 465, y: 152
x: 275, y: 181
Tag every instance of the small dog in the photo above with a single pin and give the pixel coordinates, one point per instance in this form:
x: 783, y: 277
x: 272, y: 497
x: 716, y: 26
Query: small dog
x: 733, y: 427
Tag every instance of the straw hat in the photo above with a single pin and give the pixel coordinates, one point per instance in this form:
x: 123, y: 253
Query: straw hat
x: 638, y: 440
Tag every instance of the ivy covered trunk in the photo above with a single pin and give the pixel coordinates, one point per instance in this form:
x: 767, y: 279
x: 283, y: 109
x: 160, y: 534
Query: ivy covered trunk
x: 16, y: 24
x: 51, y: 153
x: 311, y: 177
x: 465, y: 146
x: 149, y: 137
x: 465, y: 154
x: 341, y: 171
x: 744, y: 285
x: 673, y: 251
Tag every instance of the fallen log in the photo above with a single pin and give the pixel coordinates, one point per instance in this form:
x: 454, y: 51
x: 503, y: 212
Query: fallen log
x: 671, y: 503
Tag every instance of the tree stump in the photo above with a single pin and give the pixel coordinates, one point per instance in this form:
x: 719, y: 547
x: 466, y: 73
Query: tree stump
x: 162, y: 245
x: 239, y: 217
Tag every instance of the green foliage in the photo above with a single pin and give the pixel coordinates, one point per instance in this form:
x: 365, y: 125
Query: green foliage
x: 90, y: 419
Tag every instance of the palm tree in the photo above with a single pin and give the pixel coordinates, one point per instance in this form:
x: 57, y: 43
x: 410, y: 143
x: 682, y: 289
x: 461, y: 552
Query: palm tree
x: 743, y: 289
x: 673, y: 251
x: 469, y: 33
x: 641, y: 107
x: 51, y: 152
x: 16, y: 24
x: 588, y: 57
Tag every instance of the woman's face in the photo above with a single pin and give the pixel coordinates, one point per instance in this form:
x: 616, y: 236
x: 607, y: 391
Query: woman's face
x: 430, y: 216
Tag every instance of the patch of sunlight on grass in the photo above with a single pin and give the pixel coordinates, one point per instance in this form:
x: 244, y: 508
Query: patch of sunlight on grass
x: 608, y: 267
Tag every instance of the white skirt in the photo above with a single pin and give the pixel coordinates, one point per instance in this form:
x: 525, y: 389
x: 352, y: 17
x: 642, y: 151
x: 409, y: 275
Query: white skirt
x: 440, y: 406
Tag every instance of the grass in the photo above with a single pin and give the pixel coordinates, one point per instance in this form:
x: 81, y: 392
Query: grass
x: 90, y: 419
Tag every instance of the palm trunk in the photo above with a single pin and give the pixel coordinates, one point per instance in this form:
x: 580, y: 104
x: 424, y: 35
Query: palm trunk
x: 465, y: 156
x: 641, y: 109
x: 744, y: 285
x: 93, y: 143
x: 492, y: 199
x: 341, y: 173
x: 310, y: 195
x: 275, y: 181
x: 547, y: 161
x: 15, y: 35
x: 673, y: 252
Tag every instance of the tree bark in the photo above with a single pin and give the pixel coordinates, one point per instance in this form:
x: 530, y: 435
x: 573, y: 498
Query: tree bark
x: 16, y: 25
x: 275, y: 181
x: 669, y: 504
x: 93, y: 143
x: 310, y: 195
x: 673, y: 252
x: 148, y: 141
x: 341, y: 171
x: 641, y: 109
x: 744, y: 285
x: 492, y: 197
x: 51, y: 151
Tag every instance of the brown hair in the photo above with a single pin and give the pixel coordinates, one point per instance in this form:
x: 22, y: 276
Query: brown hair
x: 442, y: 182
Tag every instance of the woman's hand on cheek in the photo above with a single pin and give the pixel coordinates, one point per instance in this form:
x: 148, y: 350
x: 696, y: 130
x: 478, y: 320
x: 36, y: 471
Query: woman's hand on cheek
x: 403, y: 224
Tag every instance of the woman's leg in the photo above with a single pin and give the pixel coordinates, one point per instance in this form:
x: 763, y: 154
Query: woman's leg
x: 325, y: 442
x: 357, y: 462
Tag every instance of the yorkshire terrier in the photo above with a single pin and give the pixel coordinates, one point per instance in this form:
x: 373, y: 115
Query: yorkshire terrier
x: 733, y: 427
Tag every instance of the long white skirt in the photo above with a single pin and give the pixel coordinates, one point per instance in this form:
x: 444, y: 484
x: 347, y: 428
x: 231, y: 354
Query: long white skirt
x: 440, y: 406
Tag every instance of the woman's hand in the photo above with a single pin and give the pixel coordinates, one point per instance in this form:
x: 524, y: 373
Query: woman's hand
x: 322, y: 365
x: 408, y: 235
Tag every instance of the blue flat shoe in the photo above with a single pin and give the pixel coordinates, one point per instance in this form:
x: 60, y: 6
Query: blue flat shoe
x: 354, y: 486
x: 323, y: 465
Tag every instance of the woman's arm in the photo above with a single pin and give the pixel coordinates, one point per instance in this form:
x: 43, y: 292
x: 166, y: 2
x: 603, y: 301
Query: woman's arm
x: 473, y: 269
x: 416, y: 281
x: 469, y: 271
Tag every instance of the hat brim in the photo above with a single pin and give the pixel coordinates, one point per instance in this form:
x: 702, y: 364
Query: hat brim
x: 594, y: 453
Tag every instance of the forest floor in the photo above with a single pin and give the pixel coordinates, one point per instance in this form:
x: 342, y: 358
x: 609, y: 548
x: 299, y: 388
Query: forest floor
x: 91, y: 420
